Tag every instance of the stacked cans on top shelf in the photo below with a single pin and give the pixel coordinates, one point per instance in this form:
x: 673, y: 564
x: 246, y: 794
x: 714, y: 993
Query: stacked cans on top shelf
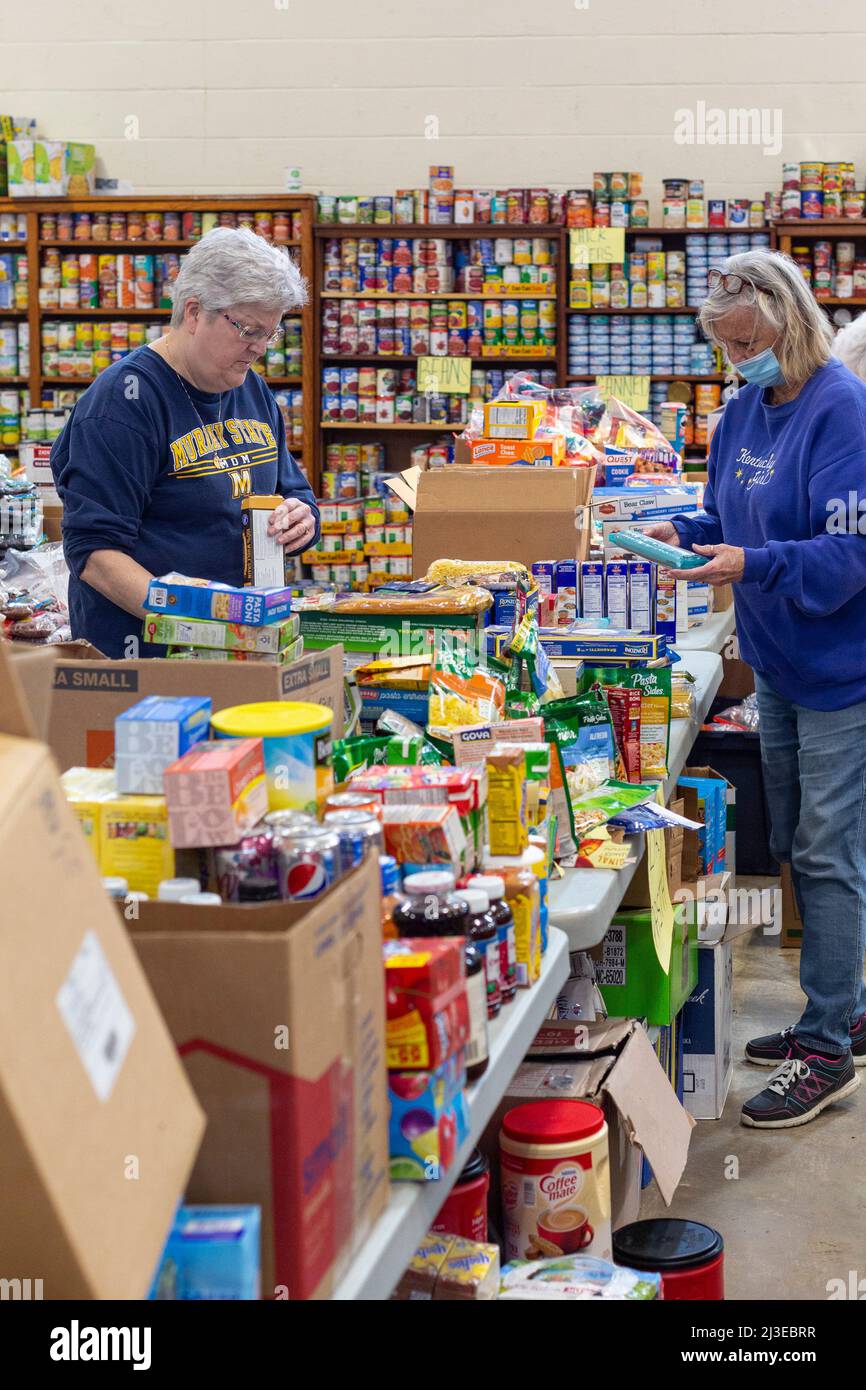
x: 110, y: 225
x: 437, y: 265
x: 817, y: 191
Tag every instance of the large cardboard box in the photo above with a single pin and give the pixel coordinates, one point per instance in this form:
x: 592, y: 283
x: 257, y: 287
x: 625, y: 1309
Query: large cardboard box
x: 25, y: 690
x: 706, y: 1023
x: 613, y: 1064
x: 89, y: 692
x: 632, y: 982
x: 279, y: 1014
x: 98, y: 1124
x: 477, y: 513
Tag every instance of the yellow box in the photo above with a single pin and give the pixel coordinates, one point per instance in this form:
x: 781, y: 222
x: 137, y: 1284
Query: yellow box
x: 134, y: 842
x: 513, y: 419
x: 87, y: 790
x: 506, y: 799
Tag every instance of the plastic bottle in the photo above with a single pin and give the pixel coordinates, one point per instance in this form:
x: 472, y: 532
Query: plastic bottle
x: 524, y: 900
x: 494, y: 887
x: 481, y: 928
x: 116, y: 887
x: 477, y: 1048
x: 171, y: 890
x: 203, y: 899
x: 391, y: 898
x: 429, y: 908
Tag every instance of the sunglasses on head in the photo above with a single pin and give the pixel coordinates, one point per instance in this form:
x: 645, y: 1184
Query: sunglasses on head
x: 731, y: 284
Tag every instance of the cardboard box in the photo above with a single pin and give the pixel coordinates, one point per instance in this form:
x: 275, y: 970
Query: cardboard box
x: 629, y: 976
x: 617, y: 1069
x: 98, y: 1124
x: 89, y: 692
x: 738, y: 678
x: 512, y: 513
x: 278, y: 1012
x: 25, y: 691
x: 706, y: 1024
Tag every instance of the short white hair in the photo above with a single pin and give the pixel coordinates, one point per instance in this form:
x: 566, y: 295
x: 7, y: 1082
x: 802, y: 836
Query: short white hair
x: 232, y: 265
x: 776, y: 289
x: 849, y: 346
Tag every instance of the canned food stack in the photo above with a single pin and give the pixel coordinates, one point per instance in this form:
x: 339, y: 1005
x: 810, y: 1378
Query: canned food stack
x: 704, y: 253
x: 649, y: 278
x: 637, y: 345
x: 42, y: 424
x: 283, y: 356
x: 441, y: 203
x: 814, y: 191
x: 14, y: 348
x: 13, y: 226
x: 14, y: 280
x: 291, y: 407
x: 385, y: 396
x: 832, y: 269
x: 85, y: 348
x: 365, y: 541
x: 13, y: 414
x: 105, y: 225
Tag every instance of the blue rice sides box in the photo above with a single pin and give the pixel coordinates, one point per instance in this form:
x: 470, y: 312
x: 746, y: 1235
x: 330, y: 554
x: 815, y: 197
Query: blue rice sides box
x: 199, y: 598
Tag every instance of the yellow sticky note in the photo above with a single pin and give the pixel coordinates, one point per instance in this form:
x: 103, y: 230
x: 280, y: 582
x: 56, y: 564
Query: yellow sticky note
x: 597, y: 245
x: 451, y: 374
x: 631, y: 390
x: 661, y: 907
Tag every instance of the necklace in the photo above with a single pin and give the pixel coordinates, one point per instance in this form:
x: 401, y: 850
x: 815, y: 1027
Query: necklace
x: 212, y: 453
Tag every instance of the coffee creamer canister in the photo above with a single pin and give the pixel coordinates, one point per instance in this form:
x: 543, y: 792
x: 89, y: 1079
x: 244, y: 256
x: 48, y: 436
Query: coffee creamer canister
x: 555, y: 1180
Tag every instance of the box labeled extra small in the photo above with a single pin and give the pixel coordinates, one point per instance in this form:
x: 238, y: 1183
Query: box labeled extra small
x: 267, y: 564
x: 172, y: 630
x: 216, y: 792
x: 205, y: 598
x: 512, y: 419
x: 153, y: 734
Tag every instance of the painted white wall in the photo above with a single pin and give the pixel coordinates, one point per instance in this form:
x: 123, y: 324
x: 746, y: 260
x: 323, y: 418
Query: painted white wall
x: 227, y: 94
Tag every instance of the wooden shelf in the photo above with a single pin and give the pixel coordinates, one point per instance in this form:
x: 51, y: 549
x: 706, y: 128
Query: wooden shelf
x: 834, y: 226
x: 841, y: 303
x: 388, y: 357
x: 440, y: 294
x: 446, y: 229
x: 180, y: 244
x: 13, y: 381
x: 430, y: 428
x: 681, y: 309
x: 281, y: 380
x: 13, y: 245
x: 14, y: 313
x: 101, y: 313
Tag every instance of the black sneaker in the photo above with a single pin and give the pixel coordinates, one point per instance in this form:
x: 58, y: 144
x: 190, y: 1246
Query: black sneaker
x: 775, y: 1048
x: 801, y: 1088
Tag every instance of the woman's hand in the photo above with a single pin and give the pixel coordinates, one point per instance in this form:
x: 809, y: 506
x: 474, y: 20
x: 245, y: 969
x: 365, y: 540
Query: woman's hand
x: 663, y: 531
x: 293, y: 523
x: 725, y: 566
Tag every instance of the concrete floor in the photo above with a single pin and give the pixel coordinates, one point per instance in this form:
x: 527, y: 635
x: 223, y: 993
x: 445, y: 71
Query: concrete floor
x: 795, y: 1217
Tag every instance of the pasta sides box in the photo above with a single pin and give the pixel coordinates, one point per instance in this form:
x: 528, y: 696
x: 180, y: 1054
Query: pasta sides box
x: 99, y: 1126
x: 278, y: 1012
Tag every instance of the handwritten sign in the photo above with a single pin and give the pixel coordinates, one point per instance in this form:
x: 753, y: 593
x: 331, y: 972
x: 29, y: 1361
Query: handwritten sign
x: 631, y: 390
x: 597, y: 245
x: 451, y: 374
x: 661, y: 907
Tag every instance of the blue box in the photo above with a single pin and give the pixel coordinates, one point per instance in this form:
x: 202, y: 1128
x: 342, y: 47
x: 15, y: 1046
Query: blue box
x: 592, y: 604
x: 211, y: 1253
x: 199, y: 598
x: 377, y: 699
x: 154, y: 733
x: 428, y: 1120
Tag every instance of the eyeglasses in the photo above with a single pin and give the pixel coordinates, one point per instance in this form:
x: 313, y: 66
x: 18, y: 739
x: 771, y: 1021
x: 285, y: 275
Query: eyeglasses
x: 732, y: 284
x: 254, y: 335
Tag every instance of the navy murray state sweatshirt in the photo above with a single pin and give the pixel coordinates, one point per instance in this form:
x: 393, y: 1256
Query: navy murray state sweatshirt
x: 151, y: 466
x: 788, y: 484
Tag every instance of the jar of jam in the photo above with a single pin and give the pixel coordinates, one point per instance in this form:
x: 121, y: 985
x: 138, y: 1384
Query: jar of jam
x: 481, y: 928
x: 430, y: 908
x: 494, y: 887
x: 477, y: 1046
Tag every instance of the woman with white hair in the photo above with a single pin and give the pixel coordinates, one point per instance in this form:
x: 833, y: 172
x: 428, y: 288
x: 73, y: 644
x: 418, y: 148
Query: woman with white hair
x: 158, y: 453
x: 787, y: 470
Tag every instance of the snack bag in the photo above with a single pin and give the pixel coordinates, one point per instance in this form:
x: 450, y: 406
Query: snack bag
x: 461, y: 692
x: 596, y: 807
x: 581, y: 727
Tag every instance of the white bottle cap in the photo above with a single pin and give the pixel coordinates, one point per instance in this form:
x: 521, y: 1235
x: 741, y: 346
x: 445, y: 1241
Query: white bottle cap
x: 115, y: 887
x: 476, y: 899
x: 203, y: 899
x: 492, y: 884
x: 171, y: 890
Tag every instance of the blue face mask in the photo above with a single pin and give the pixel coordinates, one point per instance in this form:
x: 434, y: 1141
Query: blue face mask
x: 762, y: 370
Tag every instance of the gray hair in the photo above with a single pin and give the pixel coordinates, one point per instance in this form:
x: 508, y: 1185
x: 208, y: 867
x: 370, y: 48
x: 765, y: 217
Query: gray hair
x: 777, y: 290
x: 232, y: 265
x: 849, y: 346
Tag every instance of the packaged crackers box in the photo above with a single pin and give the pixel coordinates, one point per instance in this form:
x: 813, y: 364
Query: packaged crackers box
x: 134, y: 842
x: 512, y: 419
x: 216, y: 792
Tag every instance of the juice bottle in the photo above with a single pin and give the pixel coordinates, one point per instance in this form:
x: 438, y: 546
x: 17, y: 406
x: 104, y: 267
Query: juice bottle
x: 481, y: 928
x: 430, y: 909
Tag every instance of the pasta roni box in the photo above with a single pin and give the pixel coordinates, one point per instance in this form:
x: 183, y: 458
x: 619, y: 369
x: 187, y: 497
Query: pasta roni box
x: 205, y: 598
x: 640, y: 507
x: 588, y: 644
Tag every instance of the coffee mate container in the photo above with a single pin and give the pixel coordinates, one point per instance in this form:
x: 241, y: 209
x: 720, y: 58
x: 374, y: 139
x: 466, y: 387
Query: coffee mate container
x: 555, y: 1180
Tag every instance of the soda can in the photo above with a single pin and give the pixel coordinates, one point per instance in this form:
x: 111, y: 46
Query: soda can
x: 243, y: 868
x: 359, y: 832
x: 308, y: 861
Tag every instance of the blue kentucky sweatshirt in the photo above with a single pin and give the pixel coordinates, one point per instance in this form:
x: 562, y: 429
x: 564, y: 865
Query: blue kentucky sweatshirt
x: 150, y: 466
x: 788, y: 484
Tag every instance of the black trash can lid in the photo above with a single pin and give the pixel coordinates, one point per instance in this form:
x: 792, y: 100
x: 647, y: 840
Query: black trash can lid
x: 476, y: 1164
x: 666, y: 1244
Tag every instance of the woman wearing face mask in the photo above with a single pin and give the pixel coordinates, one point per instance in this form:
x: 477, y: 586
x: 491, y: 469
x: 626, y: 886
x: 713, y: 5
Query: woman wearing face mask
x: 787, y: 472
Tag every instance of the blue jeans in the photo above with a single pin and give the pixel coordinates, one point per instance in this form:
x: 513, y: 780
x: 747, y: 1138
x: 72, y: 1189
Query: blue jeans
x: 815, y: 779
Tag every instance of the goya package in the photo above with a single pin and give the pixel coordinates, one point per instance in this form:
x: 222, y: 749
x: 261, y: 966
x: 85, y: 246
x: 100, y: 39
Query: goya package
x: 654, y: 684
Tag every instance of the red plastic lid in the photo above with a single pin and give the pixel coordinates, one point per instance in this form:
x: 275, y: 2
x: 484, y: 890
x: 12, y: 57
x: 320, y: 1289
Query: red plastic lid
x: 553, y: 1121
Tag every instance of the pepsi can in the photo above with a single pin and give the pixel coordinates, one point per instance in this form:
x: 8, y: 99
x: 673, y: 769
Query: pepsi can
x: 308, y: 862
x: 360, y: 833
